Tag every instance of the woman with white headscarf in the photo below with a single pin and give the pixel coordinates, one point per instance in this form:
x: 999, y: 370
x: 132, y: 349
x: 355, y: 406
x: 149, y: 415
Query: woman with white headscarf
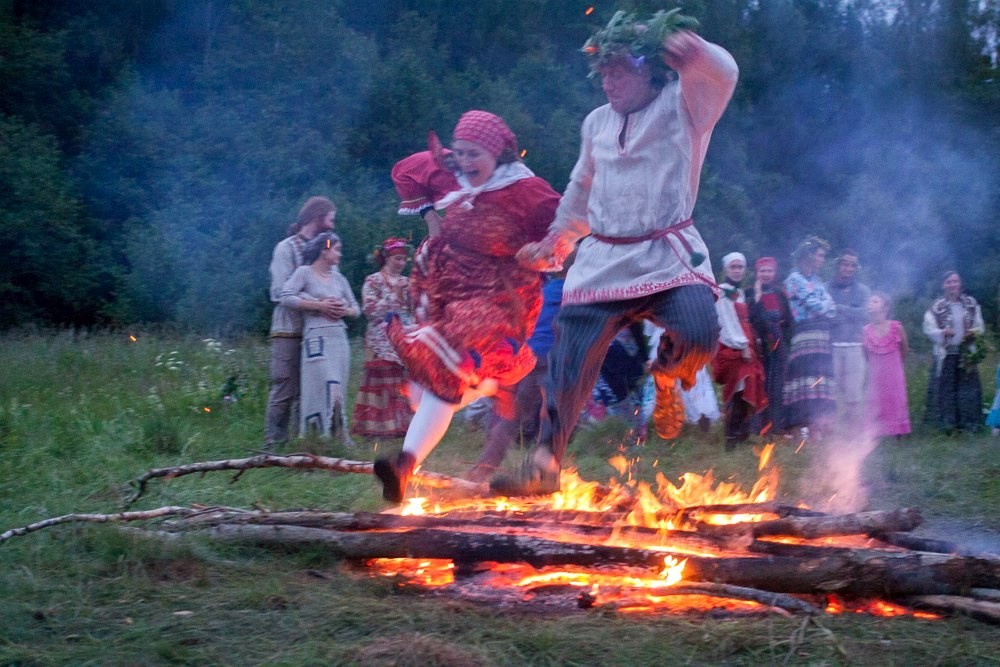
x: 737, y: 365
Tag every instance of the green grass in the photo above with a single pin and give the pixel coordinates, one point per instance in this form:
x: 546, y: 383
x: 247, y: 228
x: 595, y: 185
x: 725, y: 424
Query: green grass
x: 80, y: 415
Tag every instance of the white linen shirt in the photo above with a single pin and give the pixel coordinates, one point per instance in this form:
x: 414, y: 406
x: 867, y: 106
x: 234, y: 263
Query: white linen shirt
x: 647, y: 184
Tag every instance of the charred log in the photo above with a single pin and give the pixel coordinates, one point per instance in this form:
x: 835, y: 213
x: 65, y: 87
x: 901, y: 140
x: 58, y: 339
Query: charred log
x: 860, y: 523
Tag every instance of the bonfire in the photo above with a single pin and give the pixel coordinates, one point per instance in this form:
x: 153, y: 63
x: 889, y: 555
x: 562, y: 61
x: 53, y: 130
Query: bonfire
x: 699, y: 546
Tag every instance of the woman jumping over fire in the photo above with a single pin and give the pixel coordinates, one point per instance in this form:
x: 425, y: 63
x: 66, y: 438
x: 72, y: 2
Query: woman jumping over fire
x: 475, y: 305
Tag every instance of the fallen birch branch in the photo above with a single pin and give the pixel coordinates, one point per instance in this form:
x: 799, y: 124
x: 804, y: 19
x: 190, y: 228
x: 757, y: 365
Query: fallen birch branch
x: 297, y: 461
x: 146, y: 515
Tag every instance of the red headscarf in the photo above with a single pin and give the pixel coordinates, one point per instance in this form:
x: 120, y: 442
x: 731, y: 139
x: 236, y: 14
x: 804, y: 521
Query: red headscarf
x: 487, y: 130
x: 766, y: 261
x: 394, y: 246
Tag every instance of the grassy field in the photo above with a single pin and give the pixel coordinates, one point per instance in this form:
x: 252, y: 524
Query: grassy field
x: 80, y: 415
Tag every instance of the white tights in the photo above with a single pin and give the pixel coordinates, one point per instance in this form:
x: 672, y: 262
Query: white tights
x: 432, y: 416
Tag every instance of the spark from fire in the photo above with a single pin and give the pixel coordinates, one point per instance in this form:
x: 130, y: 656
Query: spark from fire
x: 590, y: 10
x: 818, y: 381
x: 133, y: 338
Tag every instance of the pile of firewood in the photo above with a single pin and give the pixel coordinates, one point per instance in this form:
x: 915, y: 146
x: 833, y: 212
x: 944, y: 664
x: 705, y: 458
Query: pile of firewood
x: 784, y: 558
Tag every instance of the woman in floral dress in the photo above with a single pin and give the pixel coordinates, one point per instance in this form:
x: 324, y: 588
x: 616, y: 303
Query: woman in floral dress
x: 475, y: 305
x: 381, y: 409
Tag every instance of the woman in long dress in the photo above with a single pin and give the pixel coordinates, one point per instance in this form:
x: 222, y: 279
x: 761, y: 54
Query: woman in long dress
x: 885, y: 346
x: 954, y: 323
x: 381, y: 408
x: 808, y: 394
x: 475, y: 305
x: 323, y: 294
x: 771, y: 318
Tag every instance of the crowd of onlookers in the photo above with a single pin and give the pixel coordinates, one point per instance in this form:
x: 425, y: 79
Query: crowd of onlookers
x: 796, y: 357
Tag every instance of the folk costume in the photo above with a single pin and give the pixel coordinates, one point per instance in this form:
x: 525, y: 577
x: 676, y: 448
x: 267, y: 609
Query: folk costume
x: 887, y: 407
x: 954, y: 391
x: 808, y: 394
x: 286, y: 344
x: 849, y: 366
x: 629, y: 204
x: 771, y: 319
x: 475, y: 305
x: 740, y: 372
x: 326, y: 353
x: 381, y: 408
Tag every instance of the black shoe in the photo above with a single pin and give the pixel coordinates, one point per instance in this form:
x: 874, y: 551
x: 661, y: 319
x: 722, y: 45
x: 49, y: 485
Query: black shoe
x: 394, y: 475
x: 530, y: 480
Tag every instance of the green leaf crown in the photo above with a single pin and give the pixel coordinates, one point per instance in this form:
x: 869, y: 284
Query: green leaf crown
x: 639, y: 41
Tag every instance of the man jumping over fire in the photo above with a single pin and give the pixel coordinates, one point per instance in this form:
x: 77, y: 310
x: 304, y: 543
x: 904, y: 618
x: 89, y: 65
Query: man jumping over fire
x: 630, y: 199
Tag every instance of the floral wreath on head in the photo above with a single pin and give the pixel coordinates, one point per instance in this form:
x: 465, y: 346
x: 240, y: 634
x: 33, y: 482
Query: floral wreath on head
x: 640, y: 41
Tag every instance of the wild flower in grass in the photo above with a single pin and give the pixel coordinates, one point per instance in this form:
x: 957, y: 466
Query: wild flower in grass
x: 171, y: 361
x: 212, y: 345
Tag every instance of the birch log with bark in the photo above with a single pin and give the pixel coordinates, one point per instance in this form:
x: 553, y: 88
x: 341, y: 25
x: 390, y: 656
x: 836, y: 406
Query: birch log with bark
x: 860, y: 572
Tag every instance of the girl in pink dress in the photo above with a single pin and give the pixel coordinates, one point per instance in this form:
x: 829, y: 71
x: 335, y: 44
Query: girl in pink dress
x: 885, y: 347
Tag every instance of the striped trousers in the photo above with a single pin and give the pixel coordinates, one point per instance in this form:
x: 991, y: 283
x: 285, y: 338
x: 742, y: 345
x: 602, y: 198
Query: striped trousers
x: 584, y: 332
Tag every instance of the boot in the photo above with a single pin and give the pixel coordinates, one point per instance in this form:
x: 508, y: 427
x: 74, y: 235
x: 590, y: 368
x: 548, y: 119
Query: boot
x: 668, y: 410
x: 533, y: 479
x: 394, y: 475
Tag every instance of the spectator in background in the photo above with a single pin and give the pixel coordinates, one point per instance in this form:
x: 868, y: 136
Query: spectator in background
x: 808, y: 395
x: 993, y: 418
x: 885, y: 346
x: 737, y: 366
x: 849, y: 365
x: 381, y: 408
x: 316, y: 215
x: 697, y: 405
x: 954, y: 324
x: 771, y: 318
x: 325, y: 298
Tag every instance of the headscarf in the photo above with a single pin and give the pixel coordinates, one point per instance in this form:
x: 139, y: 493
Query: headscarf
x: 395, y: 246
x: 732, y: 257
x: 389, y: 247
x: 766, y: 261
x: 487, y: 130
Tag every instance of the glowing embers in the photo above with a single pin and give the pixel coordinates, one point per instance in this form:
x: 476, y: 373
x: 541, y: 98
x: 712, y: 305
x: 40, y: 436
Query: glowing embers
x: 836, y: 605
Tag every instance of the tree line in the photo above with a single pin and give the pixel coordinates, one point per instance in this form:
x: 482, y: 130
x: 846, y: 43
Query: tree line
x: 153, y: 152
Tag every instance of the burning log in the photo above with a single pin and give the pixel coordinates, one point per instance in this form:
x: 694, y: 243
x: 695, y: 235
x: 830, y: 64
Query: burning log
x: 766, y: 598
x: 298, y: 461
x: 853, y: 572
x: 860, y: 523
x: 367, y: 521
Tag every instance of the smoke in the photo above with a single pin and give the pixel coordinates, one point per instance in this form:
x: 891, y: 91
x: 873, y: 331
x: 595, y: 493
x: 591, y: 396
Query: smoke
x: 836, y: 481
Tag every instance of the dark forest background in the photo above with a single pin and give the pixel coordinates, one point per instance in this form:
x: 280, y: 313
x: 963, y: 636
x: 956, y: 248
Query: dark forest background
x: 152, y: 152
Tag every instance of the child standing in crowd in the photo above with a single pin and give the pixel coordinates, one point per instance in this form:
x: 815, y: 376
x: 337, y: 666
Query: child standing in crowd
x: 885, y: 347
